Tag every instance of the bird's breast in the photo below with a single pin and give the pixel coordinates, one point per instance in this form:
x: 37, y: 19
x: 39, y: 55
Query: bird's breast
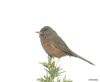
x: 52, y: 50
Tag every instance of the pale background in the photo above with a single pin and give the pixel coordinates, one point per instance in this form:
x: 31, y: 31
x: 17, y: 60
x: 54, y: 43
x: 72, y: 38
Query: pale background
x: 76, y: 21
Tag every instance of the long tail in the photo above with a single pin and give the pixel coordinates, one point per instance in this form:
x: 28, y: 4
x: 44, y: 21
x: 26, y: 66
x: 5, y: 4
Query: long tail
x: 75, y: 55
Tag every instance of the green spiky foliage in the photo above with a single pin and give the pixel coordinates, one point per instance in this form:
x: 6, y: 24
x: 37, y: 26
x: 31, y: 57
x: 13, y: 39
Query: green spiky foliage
x: 52, y: 72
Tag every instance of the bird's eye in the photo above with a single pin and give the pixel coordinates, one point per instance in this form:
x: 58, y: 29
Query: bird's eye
x: 44, y: 29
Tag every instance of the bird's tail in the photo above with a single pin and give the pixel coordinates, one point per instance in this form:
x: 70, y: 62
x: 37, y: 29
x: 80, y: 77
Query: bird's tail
x: 75, y: 55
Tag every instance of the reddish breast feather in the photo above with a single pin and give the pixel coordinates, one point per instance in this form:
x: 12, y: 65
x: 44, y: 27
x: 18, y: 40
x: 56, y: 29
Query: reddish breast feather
x: 52, y: 50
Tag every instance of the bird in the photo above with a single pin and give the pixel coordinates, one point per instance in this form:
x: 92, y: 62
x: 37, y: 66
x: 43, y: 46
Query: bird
x: 54, y: 45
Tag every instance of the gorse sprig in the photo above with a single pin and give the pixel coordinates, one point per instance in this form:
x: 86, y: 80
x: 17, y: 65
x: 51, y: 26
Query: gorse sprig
x: 52, y: 72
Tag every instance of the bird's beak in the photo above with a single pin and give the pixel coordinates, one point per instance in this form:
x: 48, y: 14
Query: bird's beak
x: 39, y: 32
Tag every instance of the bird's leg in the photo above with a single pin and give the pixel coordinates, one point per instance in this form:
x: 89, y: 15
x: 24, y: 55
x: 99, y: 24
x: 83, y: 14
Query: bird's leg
x: 57, y: 62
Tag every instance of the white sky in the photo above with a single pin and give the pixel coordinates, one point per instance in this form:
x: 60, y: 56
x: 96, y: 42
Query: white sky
x: 76, y: 21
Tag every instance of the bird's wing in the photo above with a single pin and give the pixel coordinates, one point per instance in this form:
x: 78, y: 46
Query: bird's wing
x: 60, y: 44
